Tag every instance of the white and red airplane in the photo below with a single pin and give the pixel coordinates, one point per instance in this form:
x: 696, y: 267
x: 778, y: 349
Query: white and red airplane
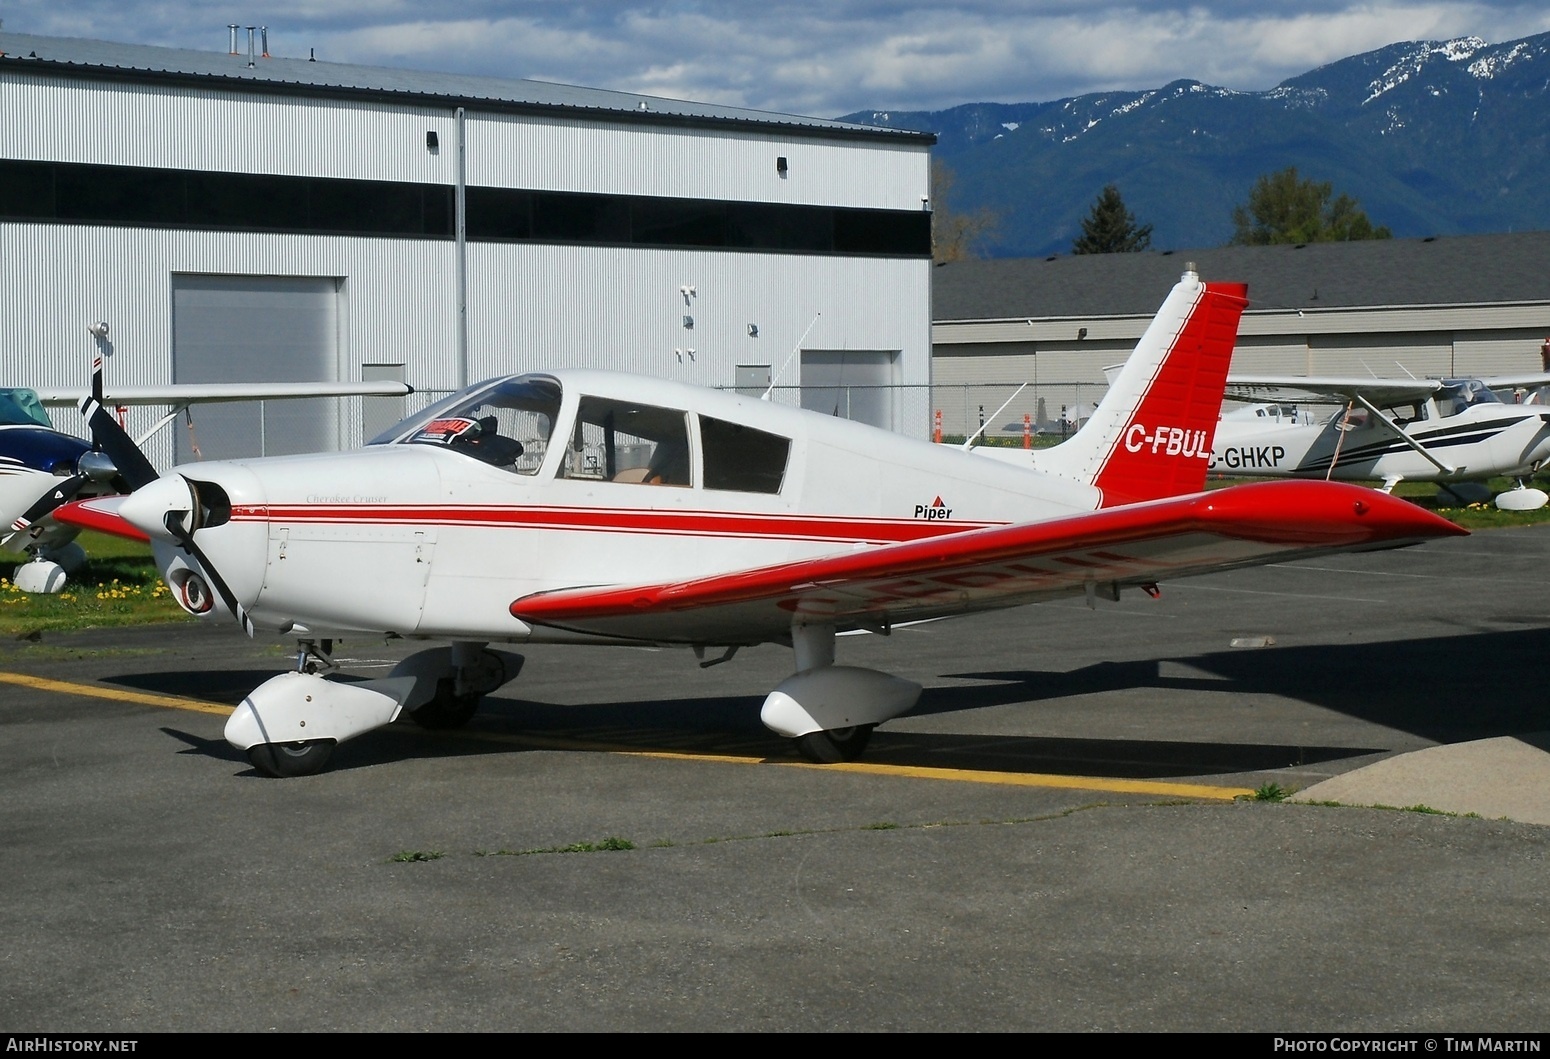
x: 42, y: 468
x: 588, y: 507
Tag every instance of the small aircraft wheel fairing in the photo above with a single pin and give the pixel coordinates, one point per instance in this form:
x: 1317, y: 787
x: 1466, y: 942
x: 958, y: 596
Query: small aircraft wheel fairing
x: 1522, y: 500
x: 835, y: 745
x: 39, y: 577
x: 446, y: 710
x: 284, y: 760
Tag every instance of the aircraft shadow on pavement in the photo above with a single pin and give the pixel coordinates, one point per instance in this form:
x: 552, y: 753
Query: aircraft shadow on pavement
x: 1439, y: 689
x: 1447, y: 689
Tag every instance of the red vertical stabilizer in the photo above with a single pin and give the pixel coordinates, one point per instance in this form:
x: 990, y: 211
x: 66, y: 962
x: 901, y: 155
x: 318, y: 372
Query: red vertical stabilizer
x: 1150, y: 437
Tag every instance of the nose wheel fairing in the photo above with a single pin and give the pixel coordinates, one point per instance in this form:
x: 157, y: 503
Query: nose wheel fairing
x: 289, y: 724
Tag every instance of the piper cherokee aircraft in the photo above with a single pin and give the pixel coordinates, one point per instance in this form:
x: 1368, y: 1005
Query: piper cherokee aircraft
x: 590, y: 507
x: 42, y: 468
x: 1434, y: 430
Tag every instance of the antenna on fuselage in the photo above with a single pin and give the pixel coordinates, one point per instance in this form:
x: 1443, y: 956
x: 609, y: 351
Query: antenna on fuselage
x: 794, y: 350
x: 969, y: 444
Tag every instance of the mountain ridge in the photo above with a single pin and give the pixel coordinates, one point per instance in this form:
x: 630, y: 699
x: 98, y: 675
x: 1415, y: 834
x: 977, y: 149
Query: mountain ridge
x: 1430, y: 137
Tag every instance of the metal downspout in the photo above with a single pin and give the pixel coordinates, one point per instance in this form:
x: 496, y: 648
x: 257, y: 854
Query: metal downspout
x: 460, y: 225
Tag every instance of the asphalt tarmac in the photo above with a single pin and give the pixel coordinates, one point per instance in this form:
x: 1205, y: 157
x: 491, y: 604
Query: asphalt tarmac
x: 1048, y: 842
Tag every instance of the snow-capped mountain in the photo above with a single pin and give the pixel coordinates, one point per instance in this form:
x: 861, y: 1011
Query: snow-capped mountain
x: 1431, y: 138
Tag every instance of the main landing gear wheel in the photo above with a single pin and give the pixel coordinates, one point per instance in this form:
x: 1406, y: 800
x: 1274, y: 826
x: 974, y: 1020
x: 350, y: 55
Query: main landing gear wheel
x: 284, y: 760
x: 834, y: 745
x: 446, y: 710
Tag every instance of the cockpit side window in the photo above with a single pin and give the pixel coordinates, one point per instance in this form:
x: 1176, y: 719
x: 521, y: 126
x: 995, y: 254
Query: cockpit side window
x: 622, y: 441
x: 506, y: 424
x: 742, y: 459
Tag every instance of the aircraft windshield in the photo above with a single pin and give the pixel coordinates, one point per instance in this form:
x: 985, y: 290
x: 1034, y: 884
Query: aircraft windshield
x: 20, y: 408
x: 1459, y: 394
x: 506, y: 423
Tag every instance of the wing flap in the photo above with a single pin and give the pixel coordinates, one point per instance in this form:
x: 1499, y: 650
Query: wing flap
x: 998, y: 567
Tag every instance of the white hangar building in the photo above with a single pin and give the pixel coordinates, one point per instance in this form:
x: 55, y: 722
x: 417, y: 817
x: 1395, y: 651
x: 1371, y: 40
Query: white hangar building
x: 1458, y: 305
x: 239, y: 217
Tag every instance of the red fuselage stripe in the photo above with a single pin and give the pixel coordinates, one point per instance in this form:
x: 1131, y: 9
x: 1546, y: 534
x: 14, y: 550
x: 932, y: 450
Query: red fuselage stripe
x: 618, y: 520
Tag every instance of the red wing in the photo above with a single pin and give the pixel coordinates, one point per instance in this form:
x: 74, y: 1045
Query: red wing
x: 1000, y: 567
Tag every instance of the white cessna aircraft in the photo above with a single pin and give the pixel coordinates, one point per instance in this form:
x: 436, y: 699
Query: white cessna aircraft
x: 42, y: 468
x: 1389, y: 430
x: 589, y: 507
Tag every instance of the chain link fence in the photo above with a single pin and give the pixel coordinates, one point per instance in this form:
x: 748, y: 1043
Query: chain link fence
x: 236, y: 430
x: 1052, y: 409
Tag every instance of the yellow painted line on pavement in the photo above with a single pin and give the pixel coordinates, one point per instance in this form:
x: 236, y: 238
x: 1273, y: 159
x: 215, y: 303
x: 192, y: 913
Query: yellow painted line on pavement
x: 1102, y: 784
x: 1112, y: 784
x: 143, y: 698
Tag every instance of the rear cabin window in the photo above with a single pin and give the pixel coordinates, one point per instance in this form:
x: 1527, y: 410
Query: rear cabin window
x: 621, y: 441
x: 742, y: 459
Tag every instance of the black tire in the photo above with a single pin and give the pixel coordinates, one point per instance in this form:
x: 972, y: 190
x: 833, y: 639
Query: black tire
x: 835, y: 745
x: 446, y: 710
x: 284, y: 760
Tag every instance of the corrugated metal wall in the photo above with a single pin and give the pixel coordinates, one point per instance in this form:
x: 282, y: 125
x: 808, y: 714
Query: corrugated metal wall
x: 508, y: 151
x: 530, y: 306
x: 54, y: 119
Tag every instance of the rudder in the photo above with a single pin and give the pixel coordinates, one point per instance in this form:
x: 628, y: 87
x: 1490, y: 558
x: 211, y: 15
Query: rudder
x: 1150, y: 436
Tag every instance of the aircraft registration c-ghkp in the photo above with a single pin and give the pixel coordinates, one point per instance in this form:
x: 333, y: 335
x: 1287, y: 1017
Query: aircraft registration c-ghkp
x: 589, y: 507
x: 42, y: 468
x: 1430, y: 430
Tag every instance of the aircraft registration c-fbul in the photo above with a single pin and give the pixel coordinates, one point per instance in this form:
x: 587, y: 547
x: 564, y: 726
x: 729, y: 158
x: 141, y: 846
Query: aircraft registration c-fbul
x: 590, y: 507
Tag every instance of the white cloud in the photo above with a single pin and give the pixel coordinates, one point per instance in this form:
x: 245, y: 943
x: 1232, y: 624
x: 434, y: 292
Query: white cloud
x: 820, y: 57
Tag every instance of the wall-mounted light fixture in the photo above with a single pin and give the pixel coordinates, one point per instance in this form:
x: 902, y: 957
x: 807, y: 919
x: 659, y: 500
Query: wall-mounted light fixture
x: 753, y: 330
x: 432, y: 141
x: 780, y: 165
x: 1081, y: 333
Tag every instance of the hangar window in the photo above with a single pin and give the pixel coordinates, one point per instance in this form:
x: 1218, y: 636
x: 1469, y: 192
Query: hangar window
x: 742, y: 459
x: 259, y: 202
x: 574, y: 218
x: 621, y: 441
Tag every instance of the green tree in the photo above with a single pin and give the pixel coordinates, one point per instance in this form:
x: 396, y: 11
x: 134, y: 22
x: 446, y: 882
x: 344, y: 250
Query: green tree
x: 1283, y: 208
x: 956, y: 236
x: 1110, y: 228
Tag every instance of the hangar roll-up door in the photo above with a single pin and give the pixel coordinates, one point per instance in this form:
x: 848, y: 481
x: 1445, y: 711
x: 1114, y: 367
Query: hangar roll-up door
x: 257, y: 329
x: 859, y: 384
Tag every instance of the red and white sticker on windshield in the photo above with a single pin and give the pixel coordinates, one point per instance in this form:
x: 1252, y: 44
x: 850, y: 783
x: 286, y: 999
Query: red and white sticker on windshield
x: 446, y: 431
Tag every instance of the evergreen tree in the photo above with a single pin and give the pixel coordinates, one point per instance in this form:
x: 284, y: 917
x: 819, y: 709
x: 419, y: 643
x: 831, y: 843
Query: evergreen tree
x: 1110, y: 228
x: 1283, y: 208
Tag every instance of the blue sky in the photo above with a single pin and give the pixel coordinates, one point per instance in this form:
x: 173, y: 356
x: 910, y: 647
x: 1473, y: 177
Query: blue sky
x: 818, y: 57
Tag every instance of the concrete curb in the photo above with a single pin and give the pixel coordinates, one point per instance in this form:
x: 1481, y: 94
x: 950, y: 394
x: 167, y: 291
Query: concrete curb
x: 1506, y: 777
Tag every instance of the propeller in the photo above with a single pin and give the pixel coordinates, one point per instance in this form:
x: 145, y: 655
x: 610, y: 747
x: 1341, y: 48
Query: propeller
x: 93, y: 466
x: 168, y: 506
x: 184, y: 535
